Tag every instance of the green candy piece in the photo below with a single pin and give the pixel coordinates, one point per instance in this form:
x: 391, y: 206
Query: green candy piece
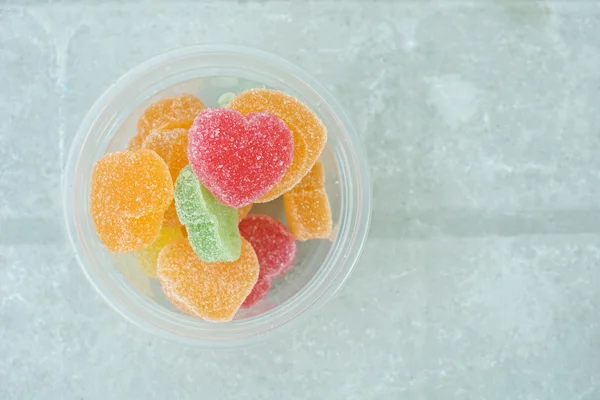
x: 225, y: 99
x: 212, y: 227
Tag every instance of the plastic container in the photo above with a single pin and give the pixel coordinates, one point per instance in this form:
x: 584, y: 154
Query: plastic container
x: 208, y: 71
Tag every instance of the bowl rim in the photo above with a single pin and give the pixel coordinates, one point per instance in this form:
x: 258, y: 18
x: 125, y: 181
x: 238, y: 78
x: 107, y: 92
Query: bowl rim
x: 338, y: 265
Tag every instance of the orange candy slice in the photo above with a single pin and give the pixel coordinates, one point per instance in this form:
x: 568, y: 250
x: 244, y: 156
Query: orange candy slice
x: 309, y: 132
x: 307, y: 206
x: 211, y: 290
x: 125, y: 234
x: 130, y: 192
x: 169, y: 113
x: 243, y: 211
x: 171, y: 146
x: 135, y: 143
x: 130, y: 184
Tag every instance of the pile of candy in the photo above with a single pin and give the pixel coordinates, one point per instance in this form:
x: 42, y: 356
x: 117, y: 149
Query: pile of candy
x: 179, y: 197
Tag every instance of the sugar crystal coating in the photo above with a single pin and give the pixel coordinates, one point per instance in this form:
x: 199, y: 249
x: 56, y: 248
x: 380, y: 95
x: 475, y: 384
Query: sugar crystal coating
x: 135, y: 143
x: 211, y: 290
x: 239, y: 158
x: 121, y: 234
x: 148, y: 256
x: 259, y: 291
x: 130, y: 191
x: 211, y: 226
x: 275, y: 249
x: 307, y: 208
x: 169, y: 113
x: 130, y: 184
x: 171, y: 146
x: 310, y: 135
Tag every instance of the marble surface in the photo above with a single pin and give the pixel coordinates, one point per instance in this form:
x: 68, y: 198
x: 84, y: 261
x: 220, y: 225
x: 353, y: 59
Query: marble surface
x: 481, y: 276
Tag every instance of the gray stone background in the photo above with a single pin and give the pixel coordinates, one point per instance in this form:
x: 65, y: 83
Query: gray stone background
x: 481, y: 277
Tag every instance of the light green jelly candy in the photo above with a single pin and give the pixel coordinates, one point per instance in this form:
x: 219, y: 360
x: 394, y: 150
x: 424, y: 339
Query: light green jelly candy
x: 212, y: 227
x: 225, y: 99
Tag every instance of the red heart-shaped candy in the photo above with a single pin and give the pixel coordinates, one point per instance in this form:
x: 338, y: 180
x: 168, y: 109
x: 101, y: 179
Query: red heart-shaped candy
x: 239, y: 158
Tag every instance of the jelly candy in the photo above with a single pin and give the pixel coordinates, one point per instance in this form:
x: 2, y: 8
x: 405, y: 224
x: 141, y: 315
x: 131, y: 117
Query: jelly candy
x: 307, y: 206
x: 213, y: 291
x: 135, y: 143
x: 171, y: 146
x: 224, y: 99
x: 239, y: 158
x: 130, y: 184
x: 259, y: 291
x: 169, y: 113
x: 171, y: 219
x: 121, y: 234
x: 275, y: 249
x: 243, y: 211
x: 309, y: 132
x: 129, y: 194
x: 148, y: 256
x: 211, y: 226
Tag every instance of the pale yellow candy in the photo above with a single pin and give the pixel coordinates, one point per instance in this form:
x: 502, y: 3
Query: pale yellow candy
x: 148, y: 256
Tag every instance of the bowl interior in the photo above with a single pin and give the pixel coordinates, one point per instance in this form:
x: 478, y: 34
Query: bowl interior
x: 322, y: 266
x: 311, y: 254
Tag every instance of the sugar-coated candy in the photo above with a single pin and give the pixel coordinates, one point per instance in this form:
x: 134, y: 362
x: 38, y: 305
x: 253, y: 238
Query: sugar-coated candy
x: 211, y: 226
x: 310, y: 135
x: 169, y: 113
x: 224, y: 99
x: 130, y: 191
x: 307, y: 207
x: 239, y: 158
x: 121, y: 234
x: 275, y: 249
x: 243, y: 211
x: 259, y: 291
x: 135, y: 143
x: 211, y: 290
x: 130, y: 184
x: 148, y: 256
x: 273, y: 243
x: 171, y: 146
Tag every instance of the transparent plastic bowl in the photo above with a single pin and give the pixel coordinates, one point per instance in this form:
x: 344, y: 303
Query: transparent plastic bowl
x: 322, y: 266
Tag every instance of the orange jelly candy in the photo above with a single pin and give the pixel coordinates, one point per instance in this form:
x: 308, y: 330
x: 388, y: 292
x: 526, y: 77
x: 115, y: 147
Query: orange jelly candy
x: 171, y: 146
x: 310, y: 135
x: 211, y: 290
x: 135, y: 143
x: 170, y: 113
x: 130, y: 192
x: 243, y: 211
x: 131, y: 184
x: 125, y: 234
x: 307, y: 206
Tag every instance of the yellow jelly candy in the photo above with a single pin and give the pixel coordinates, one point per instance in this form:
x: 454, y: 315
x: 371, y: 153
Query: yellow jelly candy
x: 148, y: 256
